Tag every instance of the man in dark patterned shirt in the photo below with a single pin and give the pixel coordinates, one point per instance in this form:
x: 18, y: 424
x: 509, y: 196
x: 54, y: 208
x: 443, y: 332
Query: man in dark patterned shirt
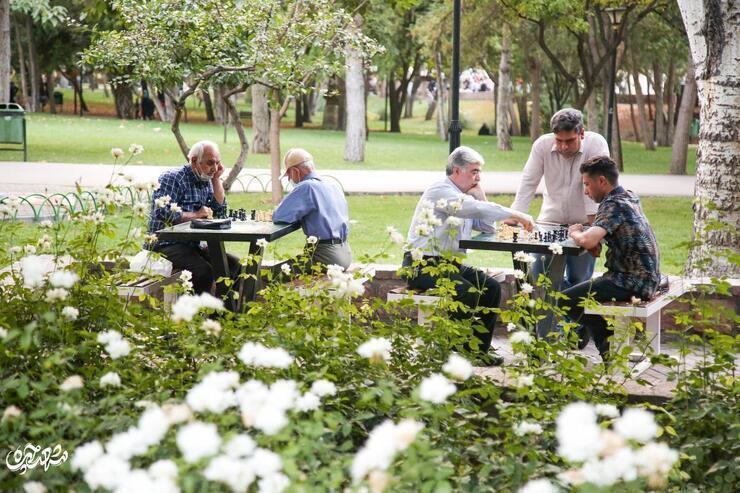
x: 191, y: 192
x: 632, y: 260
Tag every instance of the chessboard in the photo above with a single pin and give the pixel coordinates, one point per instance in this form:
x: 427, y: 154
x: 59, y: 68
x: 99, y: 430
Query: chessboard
x: 542, y: 234
x: 253, y: 215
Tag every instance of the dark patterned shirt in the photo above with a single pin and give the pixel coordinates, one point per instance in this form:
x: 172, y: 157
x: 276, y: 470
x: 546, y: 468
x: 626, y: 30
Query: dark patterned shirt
x: 188, y: 192
x: 632, y: 260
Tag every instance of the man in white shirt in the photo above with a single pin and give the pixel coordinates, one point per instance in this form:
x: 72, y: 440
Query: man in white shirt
x: 557, y: 157
x: 448, y: 211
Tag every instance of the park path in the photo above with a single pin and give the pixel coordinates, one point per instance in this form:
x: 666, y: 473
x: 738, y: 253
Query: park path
x: 18, y: 178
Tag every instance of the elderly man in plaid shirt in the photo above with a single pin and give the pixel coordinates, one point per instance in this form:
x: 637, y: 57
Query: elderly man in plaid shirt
x: 193, y: 191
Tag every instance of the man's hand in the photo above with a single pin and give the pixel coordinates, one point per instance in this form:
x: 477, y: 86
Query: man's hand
x: 575, y: 228
x: 510, y: 222
x: 525, y: 220
x: 477, y: 192
x: 205, y: 212
x: 218, y: 173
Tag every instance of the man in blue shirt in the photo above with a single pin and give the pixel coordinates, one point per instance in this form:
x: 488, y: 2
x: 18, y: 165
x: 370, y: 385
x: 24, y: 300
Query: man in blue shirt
x: 320, y: 207
x: 193, y: 191
x: 632, y: 260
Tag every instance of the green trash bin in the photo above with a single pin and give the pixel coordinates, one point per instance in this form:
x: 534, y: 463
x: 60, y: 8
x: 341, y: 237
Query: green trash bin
x: 13, y: 126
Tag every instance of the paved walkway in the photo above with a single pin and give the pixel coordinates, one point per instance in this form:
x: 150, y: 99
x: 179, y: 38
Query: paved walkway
x: 20, y: 178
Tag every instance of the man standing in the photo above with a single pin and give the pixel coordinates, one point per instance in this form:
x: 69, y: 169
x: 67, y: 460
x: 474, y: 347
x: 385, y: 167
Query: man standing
x: 556, y: 157
x: 193, y: 191
x: 632, y: 258
x: 446, y: 213
x: 319, y: 206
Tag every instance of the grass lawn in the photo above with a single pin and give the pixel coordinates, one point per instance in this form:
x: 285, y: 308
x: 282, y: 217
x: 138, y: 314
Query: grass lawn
x: 71, y: 139
x: 671, y: 219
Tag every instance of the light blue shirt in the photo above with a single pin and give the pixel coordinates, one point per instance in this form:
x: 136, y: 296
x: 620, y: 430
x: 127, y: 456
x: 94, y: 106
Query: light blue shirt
x: 456, y: 215
x: 319, y: 206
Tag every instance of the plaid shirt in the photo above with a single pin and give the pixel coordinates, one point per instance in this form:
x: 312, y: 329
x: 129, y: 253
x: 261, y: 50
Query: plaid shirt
x: 632, y: 260
x: 188, y: 192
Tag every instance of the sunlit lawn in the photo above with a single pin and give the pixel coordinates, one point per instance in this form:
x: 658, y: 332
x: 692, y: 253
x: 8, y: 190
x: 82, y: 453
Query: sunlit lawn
x: 71, y: 139
x: 670, y: 217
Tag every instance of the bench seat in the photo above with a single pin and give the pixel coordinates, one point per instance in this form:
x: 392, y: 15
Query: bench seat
x: 424, y: 302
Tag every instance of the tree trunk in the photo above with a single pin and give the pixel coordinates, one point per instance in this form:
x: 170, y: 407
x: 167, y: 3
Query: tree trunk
x: 514, y: 117
x: 395, y: 105
x: 659, y: 100
x: 21, y: 65
x: 354, y: 143
x: 439, y: 96
x: 504, y: 93
x: 535, y: 128
x: 430, y: 109
x: 616, y: 147
x: 683, y: 126
x: 50, y: 84
x: 5, y: 53
x: 713, y: 35
x: 161, y: 108
x: 298, y: 122
x: 123, y: 95
x: 208, y: 103
x: 411, y: 99
x: 243, y: 141
x: 260, y: 120
x: 593, y: 122
x: 277, y: 188
x: 670, y: 94
x: 308, y: 106
x: 34, y: 74
x: 331, y: 120
x: 645, y: 133
x: 171, y: 95
x: 635, y: 130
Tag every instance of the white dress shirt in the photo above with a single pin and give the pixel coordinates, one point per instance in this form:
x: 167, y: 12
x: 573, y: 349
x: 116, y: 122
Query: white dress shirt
x: 448, y: 201
x: 563, y: 201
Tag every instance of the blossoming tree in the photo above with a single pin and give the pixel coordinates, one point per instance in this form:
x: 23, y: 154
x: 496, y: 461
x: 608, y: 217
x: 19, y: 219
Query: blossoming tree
x: 275, y: 43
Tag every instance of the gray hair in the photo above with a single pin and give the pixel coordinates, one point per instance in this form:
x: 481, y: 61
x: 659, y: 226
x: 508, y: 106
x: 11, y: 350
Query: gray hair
x: 306, y: 164
x: 462, y: 157
x: 197, y: 150
x: 566, y: 120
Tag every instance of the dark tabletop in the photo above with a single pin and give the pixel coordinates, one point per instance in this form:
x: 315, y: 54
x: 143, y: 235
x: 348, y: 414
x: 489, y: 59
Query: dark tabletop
x: 488, y: 241
x: 240, y: 231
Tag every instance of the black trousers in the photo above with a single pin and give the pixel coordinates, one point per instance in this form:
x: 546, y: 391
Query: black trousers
x: 603, y: 289
x: 191, y: 257
x: 466, y: 278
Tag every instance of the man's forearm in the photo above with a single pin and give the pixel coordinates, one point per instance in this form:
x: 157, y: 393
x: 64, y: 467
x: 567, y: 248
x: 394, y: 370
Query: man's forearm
x: 218, y: 191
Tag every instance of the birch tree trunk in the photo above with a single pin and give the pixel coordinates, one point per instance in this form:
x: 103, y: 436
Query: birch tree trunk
x: 711, y: 26
x: 683, y: 125
x: 260, y: 120
x: 354, y: 141
x: 504, y: 93
x: 5, y: 53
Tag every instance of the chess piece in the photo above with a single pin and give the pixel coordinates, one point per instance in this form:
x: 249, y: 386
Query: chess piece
x: 514, y: 237
x: 252, y: 214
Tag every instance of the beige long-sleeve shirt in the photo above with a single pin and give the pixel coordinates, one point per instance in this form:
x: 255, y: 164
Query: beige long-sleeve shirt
x: 563, y: 199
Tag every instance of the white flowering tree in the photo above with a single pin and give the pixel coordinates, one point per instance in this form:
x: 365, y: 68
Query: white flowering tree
x: 279, y: 44
x: 714, y: 36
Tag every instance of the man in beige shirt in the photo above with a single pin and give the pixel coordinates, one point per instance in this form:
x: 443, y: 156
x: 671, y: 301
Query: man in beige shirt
x: 557, y: 157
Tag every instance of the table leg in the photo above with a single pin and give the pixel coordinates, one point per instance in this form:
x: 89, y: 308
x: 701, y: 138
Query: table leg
x: 555, y: 271
x: 251, y: 283
x: 220, y: 264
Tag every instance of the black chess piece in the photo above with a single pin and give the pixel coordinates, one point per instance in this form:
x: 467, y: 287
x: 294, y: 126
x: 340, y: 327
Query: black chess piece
x: 253, y: 214
x: 242, y: 215
x: 515, y: 237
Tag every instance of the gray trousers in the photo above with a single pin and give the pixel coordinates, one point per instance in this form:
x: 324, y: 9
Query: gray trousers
x: 339, y: 254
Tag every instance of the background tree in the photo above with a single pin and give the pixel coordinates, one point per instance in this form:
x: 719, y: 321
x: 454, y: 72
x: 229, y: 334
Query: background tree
x: 713, y: 32
x: 226, y: 43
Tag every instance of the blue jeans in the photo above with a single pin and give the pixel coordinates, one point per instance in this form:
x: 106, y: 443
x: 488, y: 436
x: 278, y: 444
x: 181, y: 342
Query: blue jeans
x: 604, y: 290
x: 577, y: 269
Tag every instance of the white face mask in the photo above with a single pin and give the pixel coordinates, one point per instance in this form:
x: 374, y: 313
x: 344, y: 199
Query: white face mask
x: 204, y: 178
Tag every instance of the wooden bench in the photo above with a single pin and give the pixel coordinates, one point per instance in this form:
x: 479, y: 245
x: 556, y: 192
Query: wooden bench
x: 144, y: 284
x: 648, y: 311
x: 424, y: 302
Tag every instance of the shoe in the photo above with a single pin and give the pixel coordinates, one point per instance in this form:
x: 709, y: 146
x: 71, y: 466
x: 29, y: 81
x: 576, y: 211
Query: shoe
x: 489, y: 359
x: 583, y: 336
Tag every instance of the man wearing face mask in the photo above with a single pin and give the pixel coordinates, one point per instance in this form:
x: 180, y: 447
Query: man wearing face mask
x: 195, y: 191
x: 319, y: 206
